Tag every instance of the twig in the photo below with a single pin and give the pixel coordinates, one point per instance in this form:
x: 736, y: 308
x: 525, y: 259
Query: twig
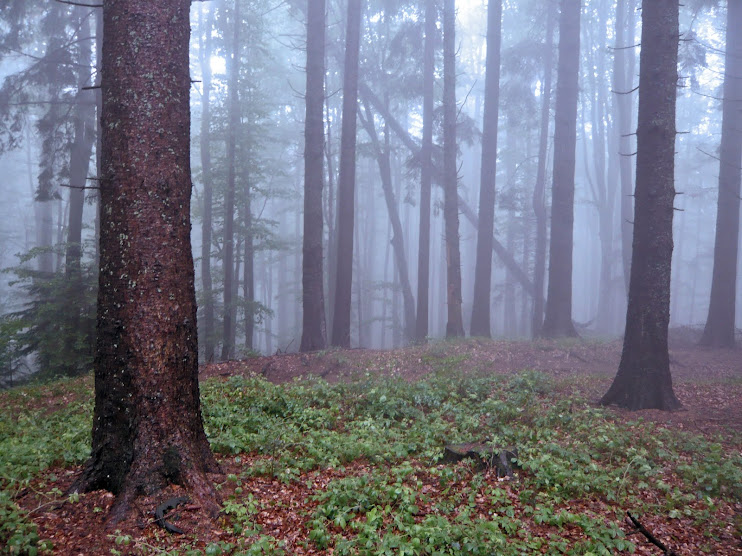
x: 650, y: 537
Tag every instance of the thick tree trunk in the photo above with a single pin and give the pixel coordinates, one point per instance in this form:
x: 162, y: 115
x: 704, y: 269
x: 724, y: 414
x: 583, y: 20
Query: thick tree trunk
x: 643, y: 380
x: 230, y: 268
x: 346, y: 181
x: 558, y: 318
x: 454, y: 322
x: 426, y: 174
x: 720, y: 329
x: 480, y: 315
x: 208, y: 326
x: 539, y: 191
x: 314, y: 335
x: 147, y: 426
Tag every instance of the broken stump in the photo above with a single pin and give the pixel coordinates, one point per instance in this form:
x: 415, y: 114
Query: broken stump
x: 484, y: 455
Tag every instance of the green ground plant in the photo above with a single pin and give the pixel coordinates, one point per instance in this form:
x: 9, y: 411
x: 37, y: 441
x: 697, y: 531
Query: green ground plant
x: 579, y: 467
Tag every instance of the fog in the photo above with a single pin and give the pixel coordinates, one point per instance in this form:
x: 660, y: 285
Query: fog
x: 268, y: 164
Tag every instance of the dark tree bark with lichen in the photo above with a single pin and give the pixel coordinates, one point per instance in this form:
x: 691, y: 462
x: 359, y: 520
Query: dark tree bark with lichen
x: 643, y: 380
x: 147, y: 426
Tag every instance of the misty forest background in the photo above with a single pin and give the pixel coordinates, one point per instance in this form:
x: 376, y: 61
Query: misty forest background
x: 248, y: 68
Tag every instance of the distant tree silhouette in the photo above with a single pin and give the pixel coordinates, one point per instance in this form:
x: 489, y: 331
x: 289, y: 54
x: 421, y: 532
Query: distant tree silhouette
x: 558, y: 318
x: 719, y: 330
x: 314, y: 333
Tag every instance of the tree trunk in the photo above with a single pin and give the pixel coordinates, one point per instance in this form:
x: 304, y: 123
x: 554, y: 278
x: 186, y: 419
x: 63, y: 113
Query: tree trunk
x: 426, y: 174
x: 208, y: 332
x: 480, y: 315
x: 397, y: 241
x: 228, y: 262
x: 314, y: 335
x: 454, y: 322
x: 720, y: 329
x: 507, y: 258
x: 248, y: 279
x: 147, y: 425
x: 346, y: 181
x: 80, y: 153
x: 558, y: 319
x: 539, y: 191
x: 643, y: 380
x: 623, y: 81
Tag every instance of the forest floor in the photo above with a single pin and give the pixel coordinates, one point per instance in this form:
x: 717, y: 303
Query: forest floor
x: 281, y: 513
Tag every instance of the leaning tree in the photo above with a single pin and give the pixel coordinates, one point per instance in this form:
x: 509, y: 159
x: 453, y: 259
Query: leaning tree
x: 643, y: 380
x: 147, y: 426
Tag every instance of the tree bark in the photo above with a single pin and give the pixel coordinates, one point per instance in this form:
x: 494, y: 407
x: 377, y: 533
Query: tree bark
x: 346, y: 181
x: 147, y: 425
x: 558, y: 318
x: 208, y: 325
x: 643, y: 380
x: 480, y: 316
x: 719, y: 330
x: 314, y: 335
x: 426, y: 174
x: 454, y: 322
x: 539, y: 191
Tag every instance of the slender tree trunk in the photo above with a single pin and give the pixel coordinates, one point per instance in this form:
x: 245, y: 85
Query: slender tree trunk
x: 480, y: 315
x: 332, y: 243
x: 454, y: 323
x: 623, y: 80
x: 248, y: 279
x: 397, y: 241
x: 506, y: 257
x: 539, y: 191
x: 314, y: 334
x: 643, y: 380
x: 346, y: 181
x: 558, y: 319
x: 208, y: 326
x: 80, y: 153
x: 720, y: 329
x: 426, y: 164
x: 147, y: 426
x: 229, y: 266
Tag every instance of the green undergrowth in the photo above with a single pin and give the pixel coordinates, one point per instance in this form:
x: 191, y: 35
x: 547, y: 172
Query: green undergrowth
x: 580, y: 468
